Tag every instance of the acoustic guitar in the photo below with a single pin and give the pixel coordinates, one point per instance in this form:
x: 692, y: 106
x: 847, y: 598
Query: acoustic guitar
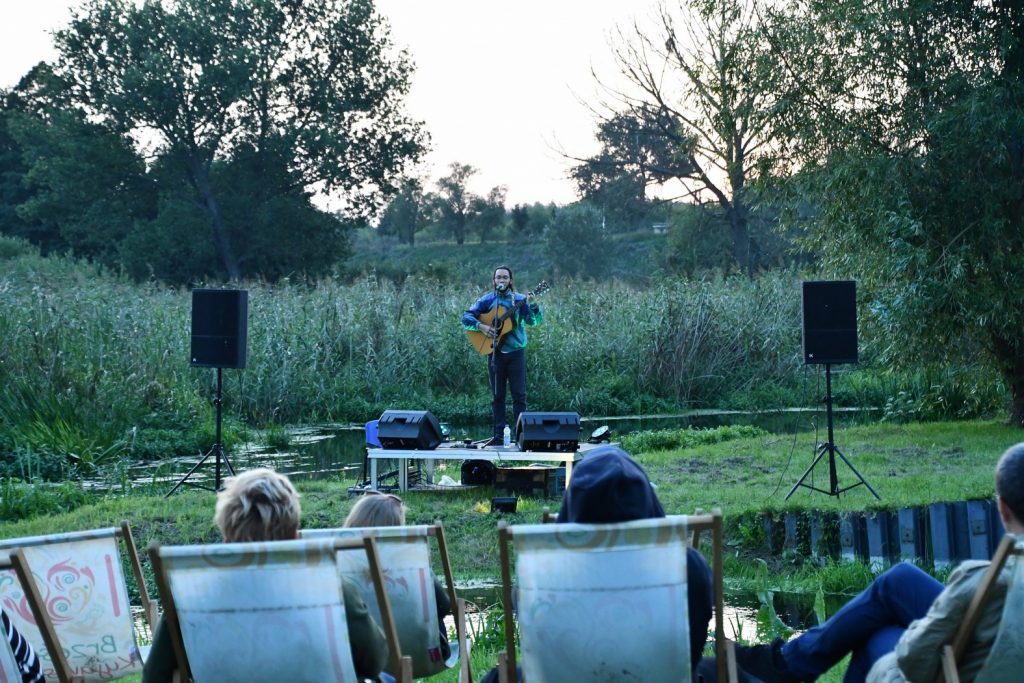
x: 502, y: 320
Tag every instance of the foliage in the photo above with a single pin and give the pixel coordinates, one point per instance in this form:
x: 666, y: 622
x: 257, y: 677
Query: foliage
x: 405, y: 215
x: 664, y: 439
x: 702, y: 111
x: 242, y: 109
x: 578, y: 243
x: 907, y: 129
x: 21, y: 500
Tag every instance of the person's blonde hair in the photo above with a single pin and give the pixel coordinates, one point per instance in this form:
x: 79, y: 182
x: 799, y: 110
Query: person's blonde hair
x: 258, y: 505
x: 377, y: 509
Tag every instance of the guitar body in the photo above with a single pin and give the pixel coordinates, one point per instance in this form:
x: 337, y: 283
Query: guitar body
x: 502, y: 318
x: 480, y: 342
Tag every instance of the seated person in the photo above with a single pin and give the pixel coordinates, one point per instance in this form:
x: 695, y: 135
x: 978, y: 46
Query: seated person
x: 24, y: 655
x: 896, y: 628
x: 262, y: 505
x: 377, y: 509
x: 607, y: 487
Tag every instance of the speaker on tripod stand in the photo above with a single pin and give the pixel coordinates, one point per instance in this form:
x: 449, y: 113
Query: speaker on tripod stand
x: 220, y: 320
x: 830, y: 337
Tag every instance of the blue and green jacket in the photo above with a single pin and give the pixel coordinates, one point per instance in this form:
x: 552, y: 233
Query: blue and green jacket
x: 526, y: 315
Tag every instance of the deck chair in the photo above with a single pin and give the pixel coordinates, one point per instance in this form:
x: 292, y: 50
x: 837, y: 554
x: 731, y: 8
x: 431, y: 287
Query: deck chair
x: 605, y: 602
x: 10, y: 672
x: 405, y: 561
x: 88, y: 633
x: 1006, y: 658
x: 267, y: 611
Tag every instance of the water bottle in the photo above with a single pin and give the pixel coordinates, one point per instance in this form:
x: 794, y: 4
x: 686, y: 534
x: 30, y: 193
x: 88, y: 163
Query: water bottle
x: 506, y: 438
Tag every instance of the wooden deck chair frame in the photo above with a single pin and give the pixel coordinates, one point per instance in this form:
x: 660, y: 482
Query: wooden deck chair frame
x: 435, y: 530
x: 724, y: 649
x: 398, y: 663
x: 47, y: 631
x: 952, y: 652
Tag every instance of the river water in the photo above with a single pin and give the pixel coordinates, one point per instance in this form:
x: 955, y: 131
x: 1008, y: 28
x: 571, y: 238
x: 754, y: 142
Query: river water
x: 337, y: 451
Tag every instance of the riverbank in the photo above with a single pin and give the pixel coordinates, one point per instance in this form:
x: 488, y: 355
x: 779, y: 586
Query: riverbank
x: 907, y: 464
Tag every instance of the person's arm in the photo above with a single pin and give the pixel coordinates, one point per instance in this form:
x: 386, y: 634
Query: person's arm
x: 161, y: 662
x: 530, y: 313
x: 369, y: 646
x: 919, y: 650
x: 700, y: 598
x: 471, y: 317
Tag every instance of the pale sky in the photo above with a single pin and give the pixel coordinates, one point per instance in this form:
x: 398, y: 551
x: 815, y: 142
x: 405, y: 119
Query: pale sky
x: 497, y: 83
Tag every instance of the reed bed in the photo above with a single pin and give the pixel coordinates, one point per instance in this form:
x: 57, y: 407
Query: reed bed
x: 95, y: 363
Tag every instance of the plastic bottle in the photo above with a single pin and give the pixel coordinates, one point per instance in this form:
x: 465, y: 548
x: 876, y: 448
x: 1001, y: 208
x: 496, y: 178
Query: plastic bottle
x: 507, y: 437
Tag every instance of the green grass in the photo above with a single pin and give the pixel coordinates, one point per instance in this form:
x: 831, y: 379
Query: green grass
x: 908, y: 464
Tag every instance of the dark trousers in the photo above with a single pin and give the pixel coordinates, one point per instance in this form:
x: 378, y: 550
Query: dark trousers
x: 868, y: 626
x: 507, y: 369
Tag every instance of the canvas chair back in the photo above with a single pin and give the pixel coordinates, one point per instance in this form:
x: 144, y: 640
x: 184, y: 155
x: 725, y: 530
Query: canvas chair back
x: 267, y: 611
x: 9, y: 670
x: 1006, y: 658
x: 602, y: 602
x: 87, y: 631
x: 405, y: 563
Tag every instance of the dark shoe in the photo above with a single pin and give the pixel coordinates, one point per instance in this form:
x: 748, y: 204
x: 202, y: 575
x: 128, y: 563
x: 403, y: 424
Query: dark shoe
x: 766, y: 662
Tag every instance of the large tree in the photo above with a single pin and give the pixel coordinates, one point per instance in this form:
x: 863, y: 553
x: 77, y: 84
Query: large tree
x: 700, y: 108
x: 909, y: 135
x: 310, y: 91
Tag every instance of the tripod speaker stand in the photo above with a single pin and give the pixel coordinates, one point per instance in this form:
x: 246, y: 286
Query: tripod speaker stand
x: 830, y: 336
x: 216, y: 452
x: 832, y: 450
x: 219, y: 330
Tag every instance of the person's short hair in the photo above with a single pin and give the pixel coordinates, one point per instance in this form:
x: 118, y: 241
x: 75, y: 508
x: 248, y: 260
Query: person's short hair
x: 377, y: 509
x: 606, y: 487
x: 258, y: 505
x: 1010, y: 480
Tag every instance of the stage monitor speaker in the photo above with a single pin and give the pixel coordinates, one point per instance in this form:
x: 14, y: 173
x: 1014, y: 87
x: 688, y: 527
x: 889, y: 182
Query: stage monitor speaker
x: 408, y: 429
x: 551, y: 432
x: 830, y: 322
x: 219, y: 327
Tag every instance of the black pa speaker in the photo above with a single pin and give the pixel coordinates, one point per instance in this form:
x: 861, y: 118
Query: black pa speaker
x: 408, y: 429
x: 219, y: 327
x: 830, y: 321
x: 552, y: 432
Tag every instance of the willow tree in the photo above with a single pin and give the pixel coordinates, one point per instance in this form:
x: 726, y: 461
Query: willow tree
x: 313, y: 90
x: 908, y: 131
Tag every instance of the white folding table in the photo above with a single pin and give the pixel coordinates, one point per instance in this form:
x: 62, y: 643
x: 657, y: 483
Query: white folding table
x: 495, y: 454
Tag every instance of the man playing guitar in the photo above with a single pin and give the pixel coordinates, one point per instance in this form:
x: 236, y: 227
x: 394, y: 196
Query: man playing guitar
x: 507, y: 358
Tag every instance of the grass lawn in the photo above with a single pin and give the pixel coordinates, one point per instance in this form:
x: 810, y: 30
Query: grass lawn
x: 907, y: 465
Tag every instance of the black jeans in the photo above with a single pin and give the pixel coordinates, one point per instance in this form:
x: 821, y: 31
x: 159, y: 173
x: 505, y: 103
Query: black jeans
x: 507, y: 369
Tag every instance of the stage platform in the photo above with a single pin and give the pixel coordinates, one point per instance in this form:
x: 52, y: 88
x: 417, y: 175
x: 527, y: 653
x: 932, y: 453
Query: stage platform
x: 499, y: 455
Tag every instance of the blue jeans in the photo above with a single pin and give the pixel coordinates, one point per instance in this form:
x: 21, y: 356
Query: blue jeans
x: 507, y: 369
x: 868, y: 626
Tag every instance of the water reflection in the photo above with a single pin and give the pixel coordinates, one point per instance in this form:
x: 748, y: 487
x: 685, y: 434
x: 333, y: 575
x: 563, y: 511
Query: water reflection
x: 338, y: 451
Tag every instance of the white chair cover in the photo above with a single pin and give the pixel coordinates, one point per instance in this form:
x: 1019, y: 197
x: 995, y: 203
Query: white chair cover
x: 603, y: 603
x: 404, y: 553
x: 269, y: 611
x: 84, y: 592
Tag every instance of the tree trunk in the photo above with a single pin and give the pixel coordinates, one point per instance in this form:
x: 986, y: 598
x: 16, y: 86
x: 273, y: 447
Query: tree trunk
x: 740, y: 237
x: 1010, y: 358
x: 221, y: 240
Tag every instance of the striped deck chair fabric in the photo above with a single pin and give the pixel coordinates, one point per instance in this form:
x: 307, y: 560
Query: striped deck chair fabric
x: 405, y: 564
x: 268, y: 611
x: 88, y: 632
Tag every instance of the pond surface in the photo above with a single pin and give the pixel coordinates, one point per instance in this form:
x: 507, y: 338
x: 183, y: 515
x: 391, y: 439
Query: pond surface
x: 338, y: 451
